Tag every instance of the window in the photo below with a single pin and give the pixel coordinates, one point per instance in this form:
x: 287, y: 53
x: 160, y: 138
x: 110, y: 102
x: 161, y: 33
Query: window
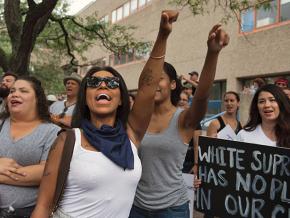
x: 216, y: 94
x: 285, y: 10
x: 105, y: 19
x: 133, y: 5
x: 126, y: 9
x: 126, y: 58
x: 247, y: 22
x: 141, y: 3
x: 268, y: 13
x: 129, y: 7
x: 114, y: 16
x: 119, y: 13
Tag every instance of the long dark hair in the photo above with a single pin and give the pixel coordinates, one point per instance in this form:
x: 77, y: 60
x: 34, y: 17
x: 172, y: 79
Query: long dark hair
x: 282, y: 128
x: 41, y: 102
x: 82, y: 111
x: 171, y: 73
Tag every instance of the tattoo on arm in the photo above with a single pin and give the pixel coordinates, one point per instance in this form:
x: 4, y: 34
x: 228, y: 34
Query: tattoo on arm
x: 53, y: 146
x: 147, y: 78
x: 46, y: 173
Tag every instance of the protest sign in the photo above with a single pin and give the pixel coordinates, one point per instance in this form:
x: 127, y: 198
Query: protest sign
x: 243, y: 180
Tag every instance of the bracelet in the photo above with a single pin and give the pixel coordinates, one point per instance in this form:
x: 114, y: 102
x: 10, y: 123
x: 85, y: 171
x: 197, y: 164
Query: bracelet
x: 157, y: 57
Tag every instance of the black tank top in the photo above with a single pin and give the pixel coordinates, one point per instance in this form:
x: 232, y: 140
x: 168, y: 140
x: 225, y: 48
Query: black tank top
x: 222, y: 125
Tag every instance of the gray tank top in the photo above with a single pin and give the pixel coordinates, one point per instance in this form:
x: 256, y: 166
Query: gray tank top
x: 162, y: 155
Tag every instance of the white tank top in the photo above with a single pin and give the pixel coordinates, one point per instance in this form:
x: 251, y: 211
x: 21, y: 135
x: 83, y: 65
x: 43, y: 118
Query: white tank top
x: 97, y: 187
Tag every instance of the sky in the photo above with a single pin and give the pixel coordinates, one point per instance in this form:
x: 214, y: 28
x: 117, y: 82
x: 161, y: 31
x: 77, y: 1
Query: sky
x: 77, y: 5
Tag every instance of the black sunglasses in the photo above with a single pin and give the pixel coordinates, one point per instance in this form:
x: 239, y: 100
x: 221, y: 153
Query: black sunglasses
x: 95, y: 82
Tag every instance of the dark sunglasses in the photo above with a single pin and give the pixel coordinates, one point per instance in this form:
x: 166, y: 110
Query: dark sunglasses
x: 95, y: 82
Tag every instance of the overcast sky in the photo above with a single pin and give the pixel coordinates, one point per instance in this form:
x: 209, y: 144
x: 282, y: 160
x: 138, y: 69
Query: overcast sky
x: 77, y: 5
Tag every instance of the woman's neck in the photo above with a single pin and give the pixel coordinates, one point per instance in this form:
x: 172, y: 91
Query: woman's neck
x: 269, y: 129
x: 163, y: 108
x: 24, y: 119
x: 268, y: 126
x: 230, y: 116
x: 99, y: 121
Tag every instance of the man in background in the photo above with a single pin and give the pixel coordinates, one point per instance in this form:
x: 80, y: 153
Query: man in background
x: 61, y: 111
x: 6, y: 82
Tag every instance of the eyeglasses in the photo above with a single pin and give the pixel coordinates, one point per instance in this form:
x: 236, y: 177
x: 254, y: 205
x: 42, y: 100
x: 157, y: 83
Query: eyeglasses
x: 95, y: 82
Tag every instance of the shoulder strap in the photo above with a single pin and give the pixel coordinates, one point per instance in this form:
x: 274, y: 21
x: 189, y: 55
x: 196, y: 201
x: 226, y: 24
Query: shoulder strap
x: 222, y: 123
x: 64, y: 167
x: 1, y: 125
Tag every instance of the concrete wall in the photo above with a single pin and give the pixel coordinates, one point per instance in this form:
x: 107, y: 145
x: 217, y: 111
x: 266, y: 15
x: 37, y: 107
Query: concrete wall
x: 263, y: 53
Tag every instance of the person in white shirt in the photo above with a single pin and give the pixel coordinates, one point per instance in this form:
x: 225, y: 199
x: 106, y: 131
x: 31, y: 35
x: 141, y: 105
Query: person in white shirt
x: 105, y: 167
x: 269, y: 118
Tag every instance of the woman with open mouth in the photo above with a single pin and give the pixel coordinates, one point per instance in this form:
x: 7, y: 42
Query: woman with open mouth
x: 26, y: 134
x: 229, y: 118
x: 269, y: 118
x: 105, y: 167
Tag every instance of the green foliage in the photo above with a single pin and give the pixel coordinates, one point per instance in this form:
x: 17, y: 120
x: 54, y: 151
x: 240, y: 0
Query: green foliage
x: 71, y: 36
x: 63, y: 37
x: 51, y: 77
x: 231, y: 8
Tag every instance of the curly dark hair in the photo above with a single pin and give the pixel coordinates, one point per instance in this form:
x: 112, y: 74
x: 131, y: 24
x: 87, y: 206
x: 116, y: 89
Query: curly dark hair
x: 41, y: 102
x: 282, y: 128
x: 82, y: 111
x: 171, y: 73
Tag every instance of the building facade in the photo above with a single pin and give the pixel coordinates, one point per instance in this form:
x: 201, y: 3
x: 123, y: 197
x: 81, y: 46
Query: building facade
x: 259, y: 44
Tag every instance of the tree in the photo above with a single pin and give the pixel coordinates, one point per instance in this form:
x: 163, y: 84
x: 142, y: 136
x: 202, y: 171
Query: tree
x: 231, y: 8
x: 25, y: 24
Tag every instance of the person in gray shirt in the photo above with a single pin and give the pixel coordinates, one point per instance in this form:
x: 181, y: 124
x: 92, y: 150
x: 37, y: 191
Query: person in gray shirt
x: 61, y: 111
x: 26, y: 135
x: 161, y: 191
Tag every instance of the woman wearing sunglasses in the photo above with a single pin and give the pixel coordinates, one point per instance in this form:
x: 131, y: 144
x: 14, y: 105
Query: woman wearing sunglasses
x: 105, y: 167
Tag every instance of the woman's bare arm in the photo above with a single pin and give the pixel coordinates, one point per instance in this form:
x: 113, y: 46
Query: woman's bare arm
x: 140, y: 115
x: 217, y: 39
x: 48, y: 182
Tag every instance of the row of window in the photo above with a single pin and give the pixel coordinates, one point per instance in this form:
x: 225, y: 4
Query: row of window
x: 128, y: 8
x: 126, y: 58
x: 264, y: 15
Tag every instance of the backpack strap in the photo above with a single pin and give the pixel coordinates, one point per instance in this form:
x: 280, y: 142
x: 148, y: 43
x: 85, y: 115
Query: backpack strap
x: 64, y: 167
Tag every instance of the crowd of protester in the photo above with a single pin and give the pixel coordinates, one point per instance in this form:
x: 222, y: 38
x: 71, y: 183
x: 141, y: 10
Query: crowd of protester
x: 128, y: 151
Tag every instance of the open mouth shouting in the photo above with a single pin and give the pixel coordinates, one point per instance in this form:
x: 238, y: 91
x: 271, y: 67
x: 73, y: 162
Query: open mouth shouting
x: 103, y: 98
x: 15, y: 103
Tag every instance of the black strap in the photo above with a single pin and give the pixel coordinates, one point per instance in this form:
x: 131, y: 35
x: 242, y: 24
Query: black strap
x: 222, y: 123
x: 64, y: 167
x: 1, y: 125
